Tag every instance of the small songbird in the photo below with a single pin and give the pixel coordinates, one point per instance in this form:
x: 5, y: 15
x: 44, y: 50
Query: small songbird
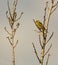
x: 39, y: 25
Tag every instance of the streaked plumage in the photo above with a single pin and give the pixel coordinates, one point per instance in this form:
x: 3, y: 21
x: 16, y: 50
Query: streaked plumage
x: 39, y: 25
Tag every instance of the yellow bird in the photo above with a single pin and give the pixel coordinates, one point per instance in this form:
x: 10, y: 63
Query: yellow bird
x: 39, y: 25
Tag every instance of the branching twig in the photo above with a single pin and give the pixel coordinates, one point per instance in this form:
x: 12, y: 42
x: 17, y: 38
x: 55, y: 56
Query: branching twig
x: 19, y: 17
x: 11, y: 14
x: 54, y: 8
x: 36, y: 53
x: 50, y: 12
x: 16, y: 44
x: 45, y: 13
x: 14, y: 31
x: 14, y: 9
x: 50, y: 37
x: 10, y: 41
x: 7, y: 31
x: 9, y: 9
x: 40, y: 41
x: 55, y: 4
x: 48, y: 50
x: 47, y: 59
x: 15, y: 3
x: 7, y: 15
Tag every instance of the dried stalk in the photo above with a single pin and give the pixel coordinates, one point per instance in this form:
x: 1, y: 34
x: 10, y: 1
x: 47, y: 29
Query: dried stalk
x: 47, y: 59
x: 44, y: 41
x: 45, y: 13
x: 12, y: 17
x: 50, y: 37
x: 48, y: 50
x: 40, y: 41
x: 36, y: 53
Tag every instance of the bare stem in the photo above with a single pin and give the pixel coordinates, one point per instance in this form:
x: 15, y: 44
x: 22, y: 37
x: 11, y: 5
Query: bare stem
x: 9, y: 41
x: 50, y: 37
x: 12, y: 17
x: 9, y: 9
x: 43, y: 41
x: 40, y: 41
x: 19, y: 17
x: 48, y: 50
x: 7, y: 31
x: 16, y: 44
x: 47, y: 59
x: 36, y: 53
x: 45, y: 13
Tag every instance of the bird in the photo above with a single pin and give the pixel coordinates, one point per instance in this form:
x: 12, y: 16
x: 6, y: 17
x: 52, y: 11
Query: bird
x: 39, y: 25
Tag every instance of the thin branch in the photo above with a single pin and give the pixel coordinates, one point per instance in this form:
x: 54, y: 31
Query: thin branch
x: 48, y: 50
x: 50, y: 37
x: 14, y: 9
x: 16, y: 44
x: 55, y: 4
x: 45, y: 13
x: 54, y: 8
x: 40, y: 41
x: 47, y: 59
x: 15, y: 2
x: 36, y: 53
x: 7, y: 15
x: 19, y: 17
x: 49, y: 14
x: 10, y: 41
x: 14, y: 31
x: 9, y: 9
x: 7, y: 31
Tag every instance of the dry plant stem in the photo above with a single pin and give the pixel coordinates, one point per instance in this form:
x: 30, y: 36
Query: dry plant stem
x: 36, y: 53
x: 11, y: 41
x: 50, y: 37
x: 13, y: 56
x: 16, y: 44
x: 19, y: 17
x: 48, y: 50
x: 40, y: 41
x: 51, y: 9
x: 48, y: 11
x: 42, y: 52
x: 47, y: 59
x: 9, y: 9
x: 7, y: 31
x: 47, y: 20
x: 13, y: 52
x: 45, y: 33
x: 45, y: 13
x: 12, y: 18
x: 44, y: 39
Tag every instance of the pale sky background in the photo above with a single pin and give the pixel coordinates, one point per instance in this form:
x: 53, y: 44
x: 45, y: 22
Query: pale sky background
x: 24, y: 53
